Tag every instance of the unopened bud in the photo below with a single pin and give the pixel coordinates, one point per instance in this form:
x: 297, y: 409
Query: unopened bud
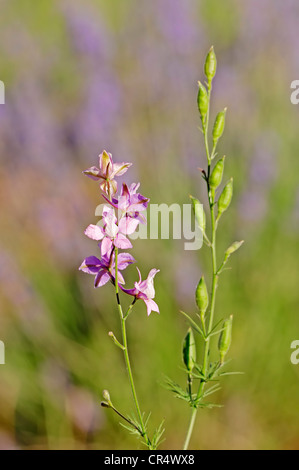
x: 106, y: 396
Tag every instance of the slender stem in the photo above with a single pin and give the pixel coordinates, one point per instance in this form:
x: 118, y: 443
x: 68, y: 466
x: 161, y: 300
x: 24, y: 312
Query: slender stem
x: 126, y: 352
x: 190, y: 429
x: 211, y: 196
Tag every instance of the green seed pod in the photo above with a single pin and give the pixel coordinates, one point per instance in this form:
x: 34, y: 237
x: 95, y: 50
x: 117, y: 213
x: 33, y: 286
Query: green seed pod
x: 234, y: 247
x: 225, y: 198
x: 217, y: 173
x: 225, y: 338
x: 189, y: 350
x: 202, y: 297
x: 202, y: 101
x: 199, y: 213
x: 219, y: 126
x: 210, y: 65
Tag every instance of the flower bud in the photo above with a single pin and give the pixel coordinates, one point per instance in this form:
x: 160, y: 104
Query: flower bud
x: 202, y: 297
x: 199, y: 213
x: 106, y: 396
x: 202, y: 101
x: 217, y: 173
x: 210, y: 65
x: 189, y: 350
x: 225, y: 198
x: 219, y: 126
x: 225, y: 338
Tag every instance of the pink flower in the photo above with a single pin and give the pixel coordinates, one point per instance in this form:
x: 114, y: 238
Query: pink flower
x: 111, y: 233
x: 145, y: 291
x: 104, y: 269
x: 130, y: 203
x: 106, y: 172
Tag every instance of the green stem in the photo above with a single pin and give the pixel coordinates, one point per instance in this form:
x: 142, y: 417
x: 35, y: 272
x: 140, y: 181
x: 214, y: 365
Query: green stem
x: 126, y: 352
x: 205, y: 366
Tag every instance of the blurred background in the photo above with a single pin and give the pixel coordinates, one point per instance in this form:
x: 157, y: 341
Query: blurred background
x: 83, y: 76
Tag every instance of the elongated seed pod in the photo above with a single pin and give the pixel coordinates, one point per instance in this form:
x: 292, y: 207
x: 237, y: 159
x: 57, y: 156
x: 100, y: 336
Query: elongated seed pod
x: 225, y: 198
x: 217, y: 173
x: 202, y: 101
x: 219, y: 126
x: 202, y: 297
x: 233, y: 247
x: 210, y: 64
x: 225, y: 338
x: 199, y: 213
x: 189, y: 350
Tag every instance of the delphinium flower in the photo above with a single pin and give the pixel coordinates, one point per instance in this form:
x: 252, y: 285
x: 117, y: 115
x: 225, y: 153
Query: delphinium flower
x: 119, y: 219
x: 107, y: 172
x: 145, y: 290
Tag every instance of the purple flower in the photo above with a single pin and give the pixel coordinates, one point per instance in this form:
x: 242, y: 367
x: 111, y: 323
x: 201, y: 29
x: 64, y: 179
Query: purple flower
x: 111, y: 233
x: 104, y: 269
x: 106, y: 172
x: 130, y: 203
x: 145, y: 291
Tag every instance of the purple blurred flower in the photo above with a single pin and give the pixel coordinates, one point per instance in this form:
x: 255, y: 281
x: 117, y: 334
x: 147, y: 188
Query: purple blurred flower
x: 130, y: 203
x: 145, y: 291
x: 106, y: 172
x: 104, y: 269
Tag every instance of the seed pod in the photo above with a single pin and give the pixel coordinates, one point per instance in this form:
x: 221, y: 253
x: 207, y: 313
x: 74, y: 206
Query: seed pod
x: 189, y: 350
x: 202, y: 297
x: 210, y: 64
x: 217, y: 173
x: 225, y: 338
x: 225, y: 198
x: 199, y: 213
x: 219, y: 126
x: 234, y: 247
x: 202, y: 101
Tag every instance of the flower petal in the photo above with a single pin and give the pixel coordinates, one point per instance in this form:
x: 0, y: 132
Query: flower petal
x: 91, y: 265
x: 119, y: 169
x: 127, y: 225
x: 105, y: 160
x: 151, y: 306
x: 94, y: 232
x: 93, y: 173
x: 122, y: 242
x: 106, y: 247
x: 124, y: 260
x: 101, y: 278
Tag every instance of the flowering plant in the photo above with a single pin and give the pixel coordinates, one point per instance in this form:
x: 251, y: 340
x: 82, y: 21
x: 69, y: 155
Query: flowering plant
x: 121, y: 218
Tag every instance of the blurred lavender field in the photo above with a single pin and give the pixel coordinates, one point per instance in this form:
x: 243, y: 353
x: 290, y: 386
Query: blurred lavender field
x: 83, y: 76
